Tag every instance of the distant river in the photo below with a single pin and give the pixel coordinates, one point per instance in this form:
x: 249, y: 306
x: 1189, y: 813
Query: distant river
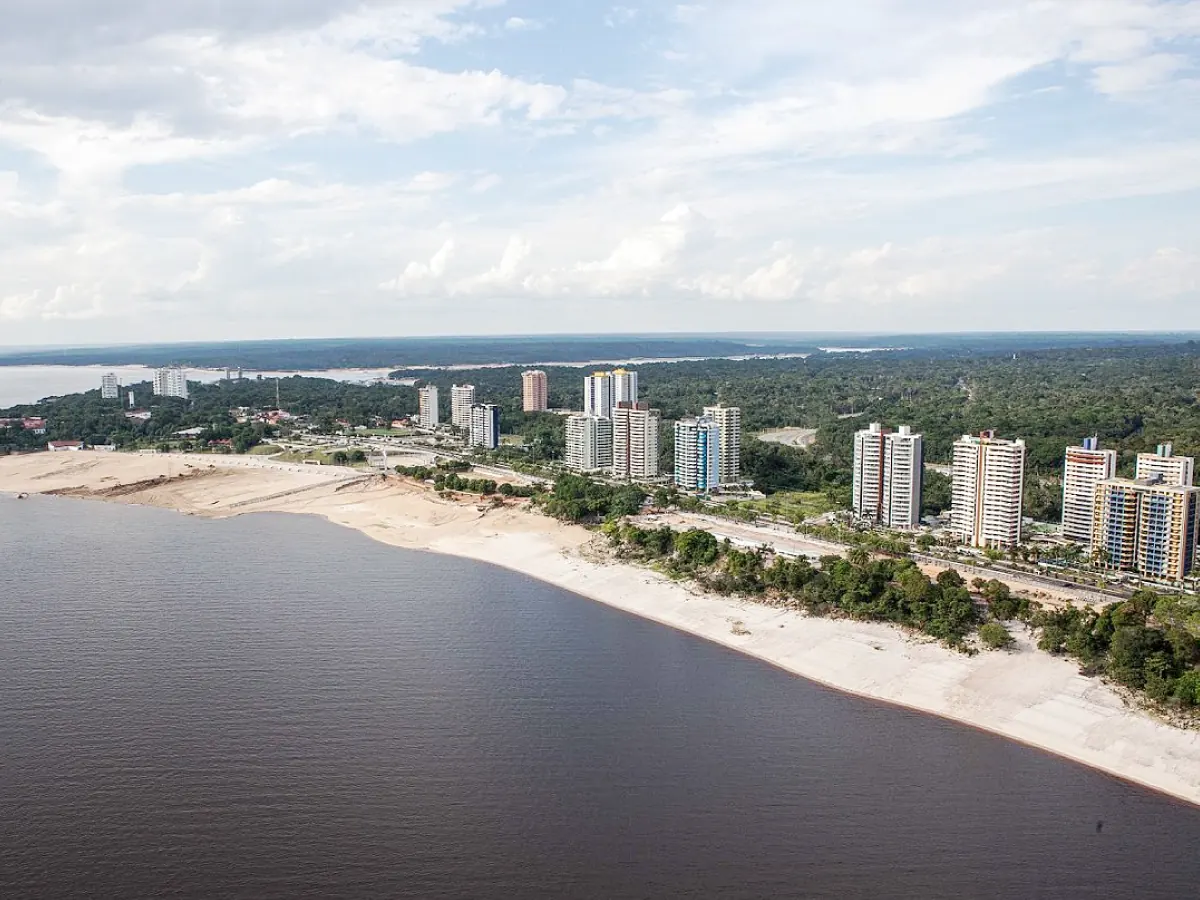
x: 274, y: 707
x: 29, y: 384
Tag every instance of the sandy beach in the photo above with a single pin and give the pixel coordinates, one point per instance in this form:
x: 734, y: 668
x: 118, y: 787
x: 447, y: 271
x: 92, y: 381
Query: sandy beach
x: 1024, y: 695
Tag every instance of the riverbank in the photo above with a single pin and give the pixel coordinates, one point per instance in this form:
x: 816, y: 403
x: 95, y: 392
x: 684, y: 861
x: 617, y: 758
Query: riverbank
x: 1024, y: 695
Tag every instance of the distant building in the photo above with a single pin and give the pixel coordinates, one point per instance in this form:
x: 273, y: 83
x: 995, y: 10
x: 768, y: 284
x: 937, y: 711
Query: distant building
x: 427, y: 404
x: 535, y: 391
x: 635, y: 441
x: 110, y: 387
x: 1084, y: 467
x: 988, y: 481
x: 171, y: 382
x: 1146, y: 526
x: 1163, y: 464
x: 60, y: 446
x: 36, y: 424
x: 729, y: 420
x: 888, y: 466
x: 697, y: 454
x: 485, y: 426
x: 462, y: 398
x: 589, y: 443
x: 598, y: 394
x: 624, y: 386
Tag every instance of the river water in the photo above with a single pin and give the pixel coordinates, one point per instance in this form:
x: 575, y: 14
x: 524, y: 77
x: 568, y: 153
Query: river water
x: 272, y: 706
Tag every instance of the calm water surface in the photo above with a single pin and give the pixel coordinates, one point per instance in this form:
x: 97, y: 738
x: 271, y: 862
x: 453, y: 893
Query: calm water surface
x: 275, y: 707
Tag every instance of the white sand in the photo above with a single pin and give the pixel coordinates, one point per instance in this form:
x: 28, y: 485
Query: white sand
x: 1025, y: 695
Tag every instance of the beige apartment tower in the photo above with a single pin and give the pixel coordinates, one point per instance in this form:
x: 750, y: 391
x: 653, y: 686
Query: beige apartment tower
x: 729, y: 460
x: 888, y: 466
x: 1147, y: 527
x: 535, y: 391
x: 988, y: 480
x: 589, y: 443
x: 1165, y: 466
x: 462, y: 398
x: 427, y: 405
x: 635, y: 441
x: 1084, y: 467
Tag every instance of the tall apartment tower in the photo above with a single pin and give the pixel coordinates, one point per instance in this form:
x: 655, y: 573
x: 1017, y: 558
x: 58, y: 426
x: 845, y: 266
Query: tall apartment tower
x: 635, y: 441
x: 1083, y: 468
x: 1146, y: 527
x: 624, y: 386
x: 171, y: 382
x: 888, y: 466
x: 535, y: 391
x: 1163, y: 465
x: 589, y: 443
x: 697, y: 454
x: 427, y: 400
x: 598, y: 394
x: 110, y: 387
x: 988, y: 478
x: 485, y: 426
x: 729, y: 420
x: 462, y: 398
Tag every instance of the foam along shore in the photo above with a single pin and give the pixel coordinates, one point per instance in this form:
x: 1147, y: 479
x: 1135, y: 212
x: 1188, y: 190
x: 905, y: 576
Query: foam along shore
x: 1025, y: 694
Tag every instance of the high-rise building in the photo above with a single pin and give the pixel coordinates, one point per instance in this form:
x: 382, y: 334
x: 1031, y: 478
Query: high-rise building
x: 624, y: 386
x: 535, y: 391
x: 1146, y: 526
x: 485, y: 426
x: 598, y: 394
x: 462, y: 398
x: 1083, y: 468
x: 888, y: 466
x: 171, y: 382
x: 427, y: 399
x: 1163, y: 464
x: 988, y: 478
x: 110, y: 387
x: 697, y: 454
x: 729, y: 420
x: 635, y: 441
x: 589, y: 443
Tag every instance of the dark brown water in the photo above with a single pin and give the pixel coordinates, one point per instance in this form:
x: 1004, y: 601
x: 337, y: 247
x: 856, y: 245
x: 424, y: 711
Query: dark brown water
x: 276, y: 707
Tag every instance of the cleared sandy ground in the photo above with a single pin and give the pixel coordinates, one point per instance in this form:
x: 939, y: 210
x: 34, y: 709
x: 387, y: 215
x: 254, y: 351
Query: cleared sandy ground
x: 1025, y: 695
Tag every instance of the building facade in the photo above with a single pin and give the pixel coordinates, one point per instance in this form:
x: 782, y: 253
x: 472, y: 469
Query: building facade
x: 1146, y: 526
x: 888, y: 468
x: 485, y: 426
x: 598, y: 394
x: 697, y: 454
x: 462, y: 399
x: 589, y: 443
x: 1084, y: 467
x: 624, y: 386
x: 729, y: 420
x: 535, y: 391
x: 988, y: 480
x: 635, y: 441
x: 171, y: 382
x: 1163, y: 464
x: 110, y: 387
x: 427, y: 405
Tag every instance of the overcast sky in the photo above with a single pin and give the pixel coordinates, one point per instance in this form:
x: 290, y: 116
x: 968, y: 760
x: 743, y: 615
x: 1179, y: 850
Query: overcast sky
x: 199, y: 169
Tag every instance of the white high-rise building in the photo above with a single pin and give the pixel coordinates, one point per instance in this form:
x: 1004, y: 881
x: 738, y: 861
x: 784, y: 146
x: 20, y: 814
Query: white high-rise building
x: 888, y: 466
x: 635, y: 441
x: 988, y: 479
x: 598, y: 394
x: 462, y: 398
x: 171, y: 382
x: 485, y: 426
x: 110, y: 387
x: 428, y: 415
x: 1084, y: 467
x: 589, y: 443
x: 535, y: 391
x: 1164, y: 466
x: 697, y: 454
x: 624, y: 386
x: 729, y: 420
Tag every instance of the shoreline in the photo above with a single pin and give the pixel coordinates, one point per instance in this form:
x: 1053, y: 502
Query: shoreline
x: 1024, y: 695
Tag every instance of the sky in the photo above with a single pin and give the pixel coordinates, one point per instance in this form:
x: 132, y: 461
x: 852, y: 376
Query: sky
x: 208, y: 170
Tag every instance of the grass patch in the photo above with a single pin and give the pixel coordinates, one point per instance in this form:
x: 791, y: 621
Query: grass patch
x: 795, y: 506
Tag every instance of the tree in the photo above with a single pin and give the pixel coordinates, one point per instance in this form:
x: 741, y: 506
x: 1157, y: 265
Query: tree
x: 696, y: 548
x: 340, y: 458
x: 995, y: 636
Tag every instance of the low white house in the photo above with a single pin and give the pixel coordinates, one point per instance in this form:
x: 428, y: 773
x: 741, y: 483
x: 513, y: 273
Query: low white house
x: 64, y: 446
